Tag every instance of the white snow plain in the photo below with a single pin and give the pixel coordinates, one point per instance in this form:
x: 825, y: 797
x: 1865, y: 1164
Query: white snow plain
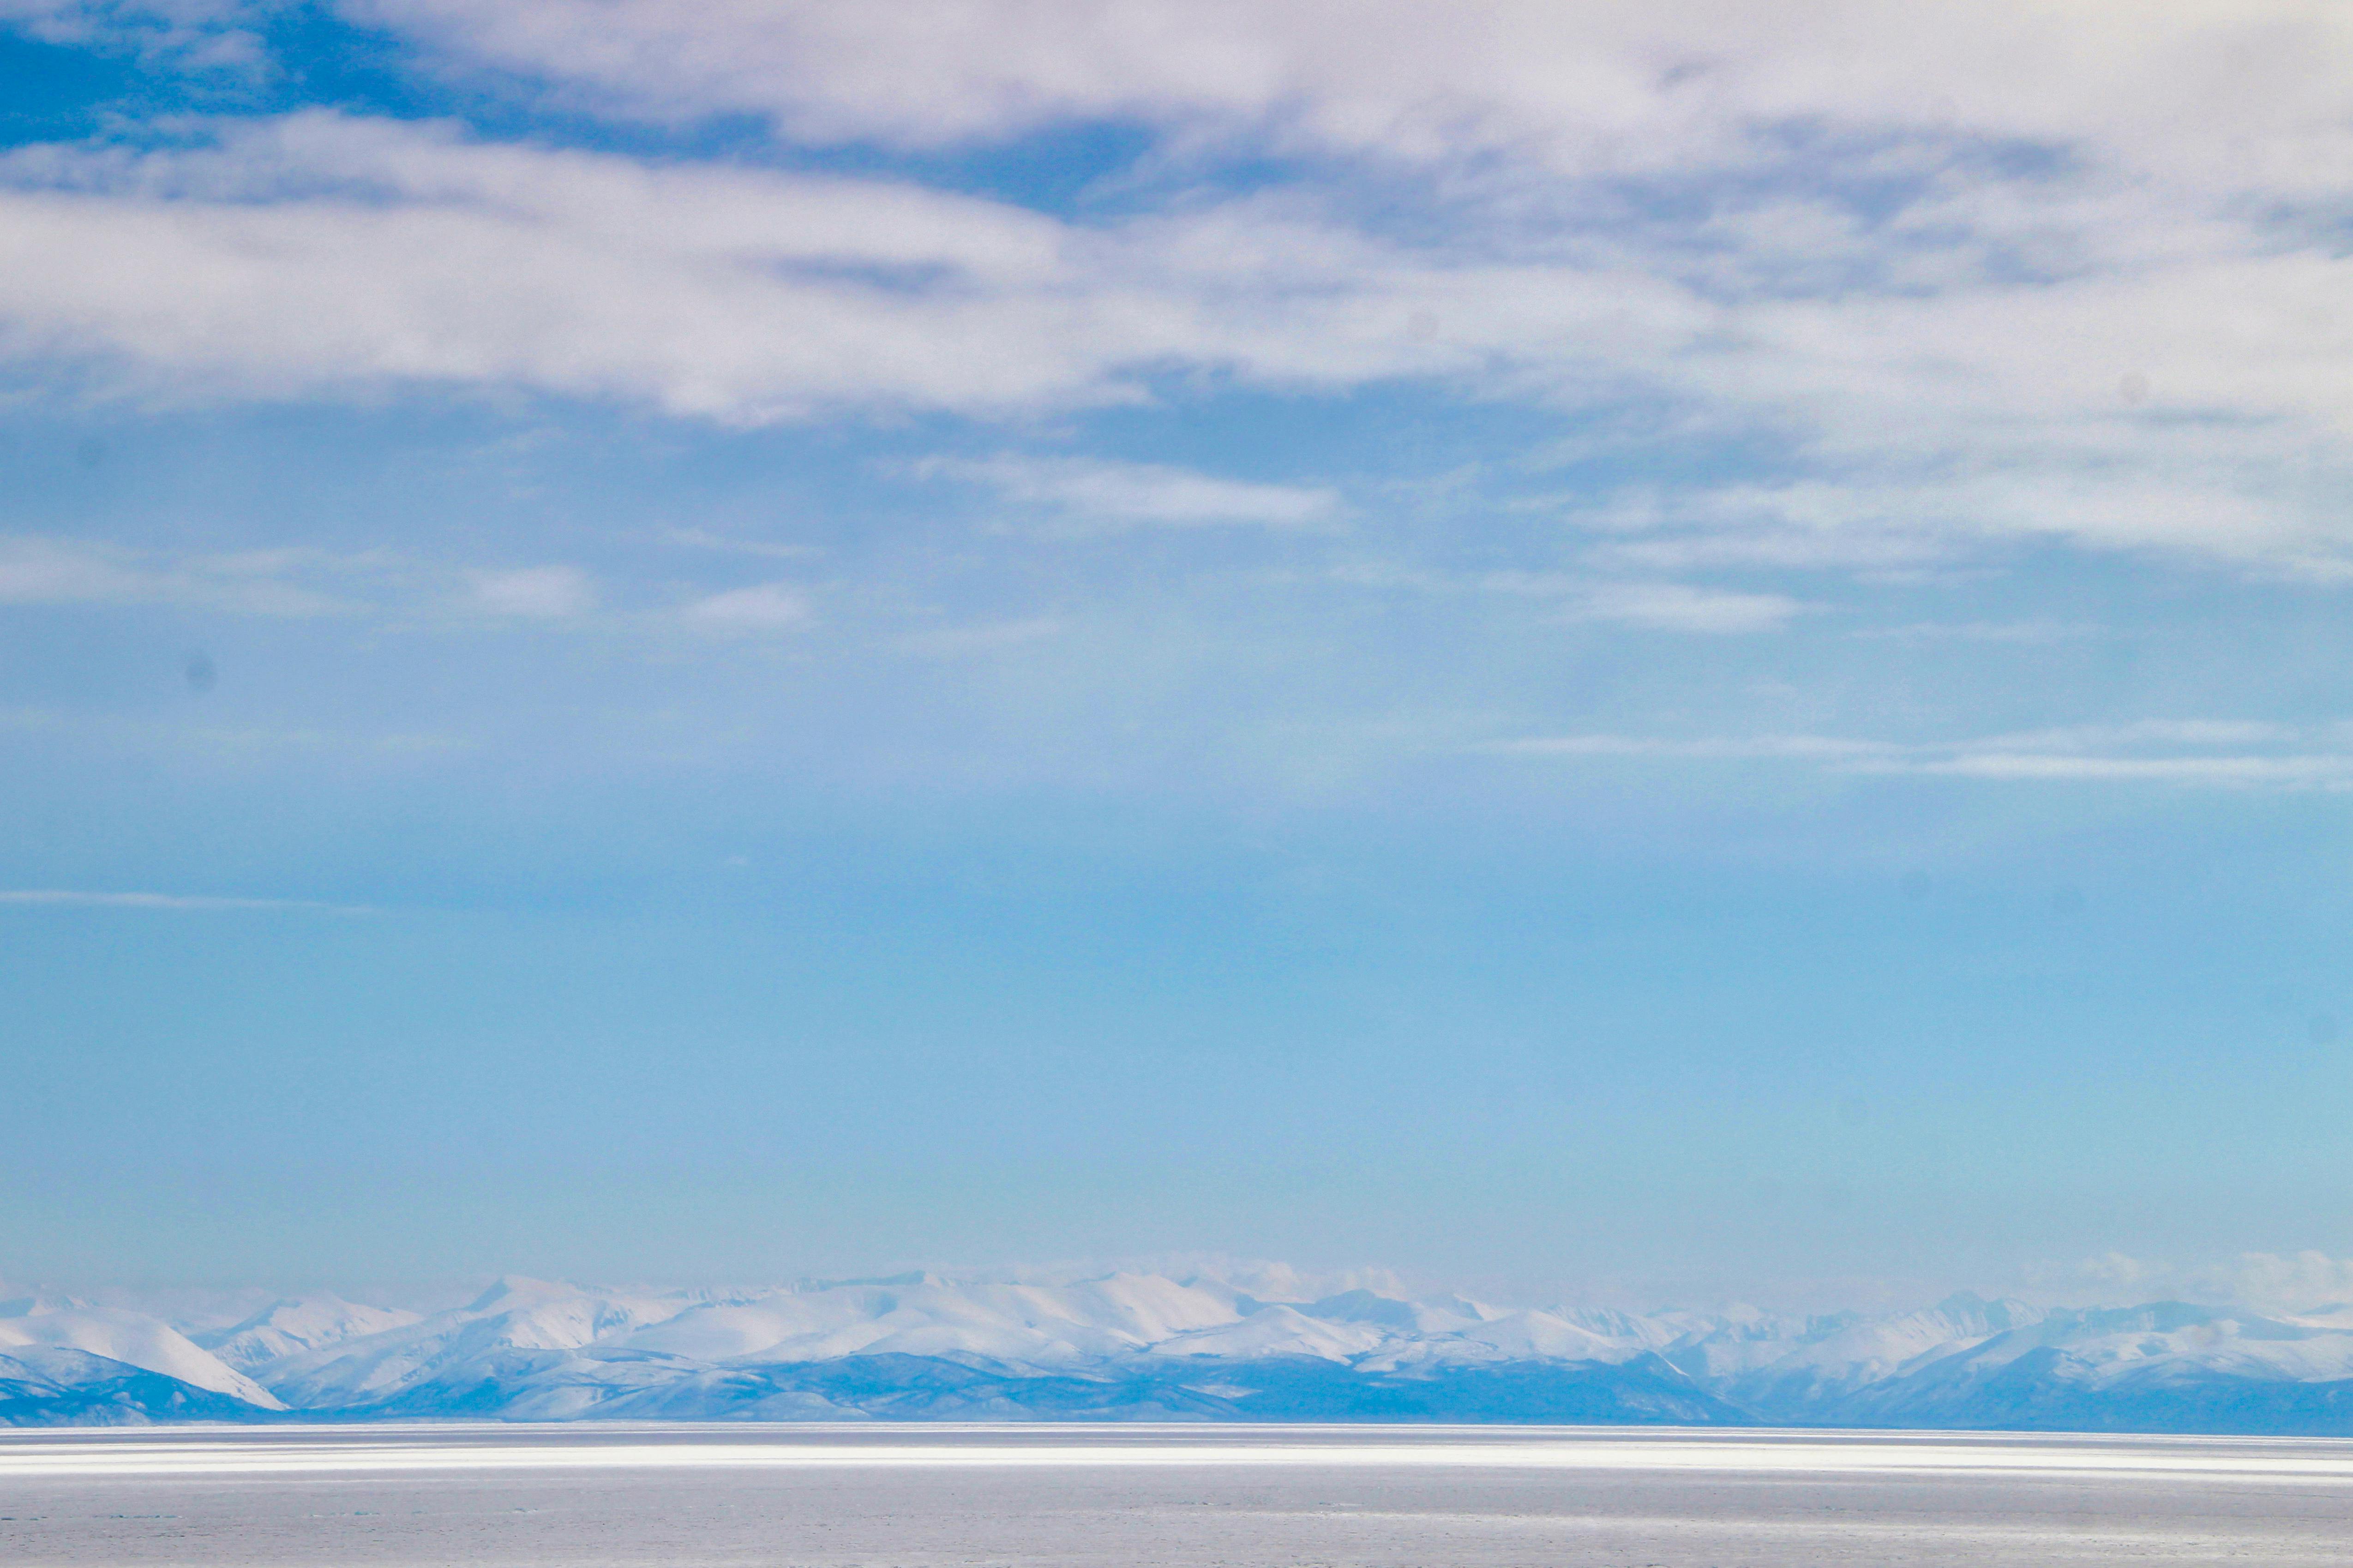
x: 689, y: 1495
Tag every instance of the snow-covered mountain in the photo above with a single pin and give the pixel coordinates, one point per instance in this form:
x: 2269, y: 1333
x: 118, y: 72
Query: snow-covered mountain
x: 1196, y: 1346
x: 122, y: 1338
x: 288, y: 1328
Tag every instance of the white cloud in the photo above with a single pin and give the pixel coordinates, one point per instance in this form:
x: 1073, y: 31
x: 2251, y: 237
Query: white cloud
x: 2174, y: 497
x: 1681, y: 607
x: 294, y: 582
x: 1652, y: 606
x: 534, y: 592
x: 1575, y: 85
x: 1806, y: 748
x: 703, y: 539
x: 318, y: 252
x: 2119, y: 1268
x: 1923, y: 257
x: 2030, y: 632
x: 2301, y: 1282
x: 2156, y: 731
x: 38, y: 571
x: 1094, y: 495
x: 2188, y: 752
x: 765, y: 607
x: 193, y: 34
x: 2265, y: 1281
x: 2332, y: 772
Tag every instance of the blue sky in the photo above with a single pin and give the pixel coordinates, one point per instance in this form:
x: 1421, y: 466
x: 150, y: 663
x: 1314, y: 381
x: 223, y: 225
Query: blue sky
x: 1641, y: 652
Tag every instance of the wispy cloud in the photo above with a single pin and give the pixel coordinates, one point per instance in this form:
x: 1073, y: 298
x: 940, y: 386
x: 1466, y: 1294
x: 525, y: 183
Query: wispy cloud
x: 2272, y: 1282
x: 281, y: 582
x: 2025, y: 632
x: 533, y: 593
x: 1684, y: 607
x: 2328, y: 771
x: 285, y: 583
x: 1651, y: 604
x: 190, y: 35
x: 2213, y: 752
x: 763, y: 607
x: 2301, y: 1281
x: 1711, y: 748
x: 170, y: 902
x: 703, y: 539
x: 41, y: 571
x: 1093, y: 495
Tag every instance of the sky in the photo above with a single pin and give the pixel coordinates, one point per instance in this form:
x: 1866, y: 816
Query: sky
x: 1657, y: 653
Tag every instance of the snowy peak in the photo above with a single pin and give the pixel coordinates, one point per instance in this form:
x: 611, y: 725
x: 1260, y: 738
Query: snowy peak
x: 1139, y: 1344
x: 131, y: 1339
x: 288, y: 1327
x: 1276, y: 1330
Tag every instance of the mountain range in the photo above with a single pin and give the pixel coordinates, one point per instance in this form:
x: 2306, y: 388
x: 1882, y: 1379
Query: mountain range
x: 1235, y: 1346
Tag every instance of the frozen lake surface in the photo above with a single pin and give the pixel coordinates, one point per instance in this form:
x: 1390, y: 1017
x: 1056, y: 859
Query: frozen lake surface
x: 879, y: 1496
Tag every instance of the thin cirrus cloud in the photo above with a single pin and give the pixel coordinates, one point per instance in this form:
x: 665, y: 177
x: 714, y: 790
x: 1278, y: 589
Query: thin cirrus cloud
x: 531, y: 592
x: 206, y: 35
x: 297, y: 584
x: 2220, y: 754
x: 761, y: 607
x: 1685, y: 607
x: 2292, y: 1283
x: 44, y: 571
x: 1890, y: 529
x: 1649, y: 605
x: 1091, y: 495
x: 284, y: 584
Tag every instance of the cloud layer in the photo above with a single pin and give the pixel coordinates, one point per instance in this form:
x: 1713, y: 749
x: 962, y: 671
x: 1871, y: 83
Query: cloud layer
x: 1976, y: 279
